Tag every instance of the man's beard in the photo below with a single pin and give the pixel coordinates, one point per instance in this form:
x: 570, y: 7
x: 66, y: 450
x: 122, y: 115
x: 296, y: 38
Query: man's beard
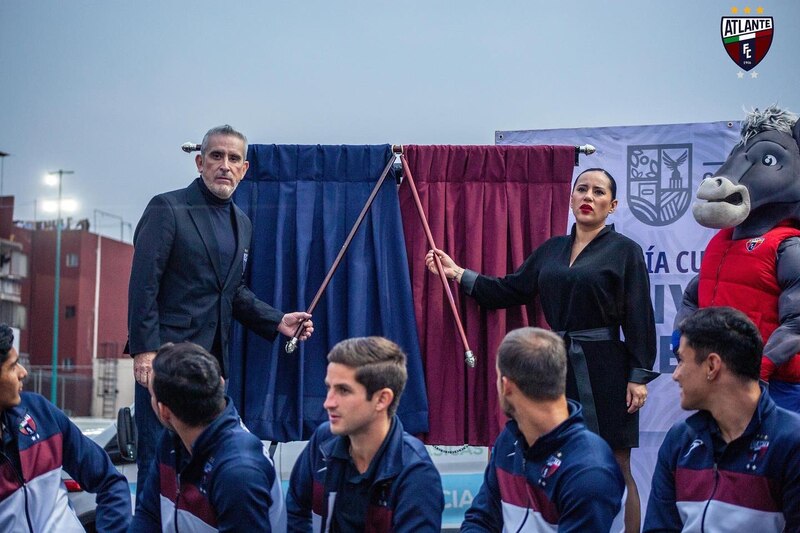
x: 222, y: 191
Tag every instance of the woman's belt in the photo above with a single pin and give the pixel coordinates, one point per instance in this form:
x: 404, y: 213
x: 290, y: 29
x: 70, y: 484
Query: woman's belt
x: 581, y: 369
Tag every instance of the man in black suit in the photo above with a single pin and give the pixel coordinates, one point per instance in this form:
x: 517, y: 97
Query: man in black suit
x: 190, y: 253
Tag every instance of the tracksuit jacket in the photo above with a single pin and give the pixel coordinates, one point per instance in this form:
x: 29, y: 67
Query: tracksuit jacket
x: 751, y: 484
x: 406, y: 493
x: 567, y: 481
x: 228, y: 483
x: 32, y: 495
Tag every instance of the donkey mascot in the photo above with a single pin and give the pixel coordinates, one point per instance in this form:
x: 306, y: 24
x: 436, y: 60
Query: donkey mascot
x: 753, y: 262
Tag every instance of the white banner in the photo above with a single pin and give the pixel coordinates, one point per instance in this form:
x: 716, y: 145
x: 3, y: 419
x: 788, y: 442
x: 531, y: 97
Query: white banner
x: 657, y: 169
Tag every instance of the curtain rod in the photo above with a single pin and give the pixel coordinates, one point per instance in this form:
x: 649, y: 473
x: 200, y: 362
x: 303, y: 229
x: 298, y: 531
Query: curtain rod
x: 397, y: 149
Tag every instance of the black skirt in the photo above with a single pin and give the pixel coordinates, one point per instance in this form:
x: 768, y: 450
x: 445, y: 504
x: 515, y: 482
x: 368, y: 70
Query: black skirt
x: 608, y: 374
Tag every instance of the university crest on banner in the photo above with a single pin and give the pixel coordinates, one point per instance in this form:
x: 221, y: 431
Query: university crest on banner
x: 659, y: 182
x: 747, y: 39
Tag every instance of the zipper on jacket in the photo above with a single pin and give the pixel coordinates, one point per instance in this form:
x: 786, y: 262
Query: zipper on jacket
x: 710, y: 497
x: 178, y: 474
x: 21, y: 481
x: 719, y: 269
x: 177, y: 500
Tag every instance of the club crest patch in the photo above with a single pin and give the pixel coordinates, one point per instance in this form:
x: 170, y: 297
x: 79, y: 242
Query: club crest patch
x: 207, y: 468
x: 550, y: 467
x: 27, y: 426
x: 758, y: 448
x: 752, y: 244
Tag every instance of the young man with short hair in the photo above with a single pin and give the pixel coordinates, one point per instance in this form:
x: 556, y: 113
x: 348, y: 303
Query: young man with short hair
x: 360, y: 471
x: 547, y: 471
x: 734, y: 465
x: 38, y: 442
x: 210, y: 473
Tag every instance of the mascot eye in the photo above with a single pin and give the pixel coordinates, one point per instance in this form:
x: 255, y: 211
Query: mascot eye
x: 769, y: 160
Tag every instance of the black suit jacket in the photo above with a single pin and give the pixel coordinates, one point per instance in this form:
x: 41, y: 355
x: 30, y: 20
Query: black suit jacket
x: 177, y: 291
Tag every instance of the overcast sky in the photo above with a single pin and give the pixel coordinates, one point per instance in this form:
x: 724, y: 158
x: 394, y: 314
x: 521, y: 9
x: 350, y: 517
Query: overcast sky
x: 110, y: 89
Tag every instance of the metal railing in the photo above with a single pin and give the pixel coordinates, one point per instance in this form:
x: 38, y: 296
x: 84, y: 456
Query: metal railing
x: 75, y: 386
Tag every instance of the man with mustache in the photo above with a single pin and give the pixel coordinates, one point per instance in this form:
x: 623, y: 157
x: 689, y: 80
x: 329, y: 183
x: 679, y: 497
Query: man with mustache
x: 190, y: 255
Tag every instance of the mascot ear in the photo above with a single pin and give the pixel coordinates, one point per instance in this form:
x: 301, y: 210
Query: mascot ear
x: 796, y: 132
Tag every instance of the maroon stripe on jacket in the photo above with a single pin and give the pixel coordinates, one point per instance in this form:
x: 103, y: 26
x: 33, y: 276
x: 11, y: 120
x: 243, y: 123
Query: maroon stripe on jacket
x: 8, y: 481
x: 196, y: 503
x: 514, y: 489
x: 191, y: 500
x: 317, y: 495
x: 41, y: 457
x: 169, y: 482
x: 744, y: 490
x: 378, y: 520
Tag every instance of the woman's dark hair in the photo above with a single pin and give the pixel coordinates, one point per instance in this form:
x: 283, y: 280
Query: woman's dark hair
x: 608, y: 175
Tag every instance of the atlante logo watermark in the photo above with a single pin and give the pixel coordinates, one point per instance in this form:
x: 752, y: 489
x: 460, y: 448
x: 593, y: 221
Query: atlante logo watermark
x: 747, y: 38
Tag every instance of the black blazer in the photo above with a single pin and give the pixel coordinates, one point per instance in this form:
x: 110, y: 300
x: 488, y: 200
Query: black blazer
x: 176, y: 291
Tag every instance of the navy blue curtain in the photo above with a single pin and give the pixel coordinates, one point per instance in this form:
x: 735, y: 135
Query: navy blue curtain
x: 302, y: 201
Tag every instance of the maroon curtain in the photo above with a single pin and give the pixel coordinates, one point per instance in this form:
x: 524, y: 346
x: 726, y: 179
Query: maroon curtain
x: 489, y: 207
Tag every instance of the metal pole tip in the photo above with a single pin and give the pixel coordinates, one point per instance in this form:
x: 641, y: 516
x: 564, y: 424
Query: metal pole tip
x: 469, y: 359
x: 291, y: 345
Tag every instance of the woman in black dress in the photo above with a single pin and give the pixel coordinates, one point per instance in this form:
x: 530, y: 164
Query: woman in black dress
x: 590, y: 284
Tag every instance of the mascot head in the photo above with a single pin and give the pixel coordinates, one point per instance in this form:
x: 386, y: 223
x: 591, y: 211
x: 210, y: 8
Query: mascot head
x: 758, y: 186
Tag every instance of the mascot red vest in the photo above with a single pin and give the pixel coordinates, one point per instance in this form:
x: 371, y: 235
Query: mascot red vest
x: 753, y: 263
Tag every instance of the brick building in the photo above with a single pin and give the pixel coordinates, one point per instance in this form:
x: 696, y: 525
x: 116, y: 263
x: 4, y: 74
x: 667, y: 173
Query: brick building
x: 92, y: 312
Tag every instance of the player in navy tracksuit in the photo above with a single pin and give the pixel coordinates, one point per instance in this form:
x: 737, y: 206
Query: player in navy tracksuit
x: 360, y: 471
x: 210, y: 473
x: 406, y: 489
x: 38, y: 442
x: 567, y: 479
x: 735, y: 464
x: 547, y: 470
x: 757, y: 475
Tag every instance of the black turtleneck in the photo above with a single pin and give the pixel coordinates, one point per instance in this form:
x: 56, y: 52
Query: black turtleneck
x: 221, y: 214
